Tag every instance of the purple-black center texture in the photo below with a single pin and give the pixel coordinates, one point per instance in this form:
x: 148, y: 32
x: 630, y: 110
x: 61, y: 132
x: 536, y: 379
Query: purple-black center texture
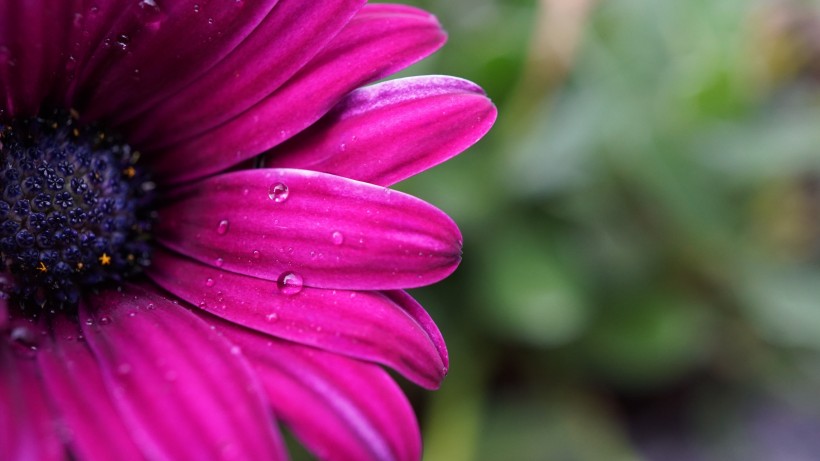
x: 74, y: 212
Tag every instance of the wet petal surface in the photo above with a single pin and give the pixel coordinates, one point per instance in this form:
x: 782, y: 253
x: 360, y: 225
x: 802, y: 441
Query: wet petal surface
x: 389, y: 328
x: 330, y: 231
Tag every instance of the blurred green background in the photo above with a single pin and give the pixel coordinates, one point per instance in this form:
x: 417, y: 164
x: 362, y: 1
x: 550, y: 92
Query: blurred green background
x: 641, y: 273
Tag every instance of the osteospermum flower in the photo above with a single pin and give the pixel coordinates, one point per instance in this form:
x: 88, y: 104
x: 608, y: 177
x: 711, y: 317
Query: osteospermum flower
x: 197, y: 239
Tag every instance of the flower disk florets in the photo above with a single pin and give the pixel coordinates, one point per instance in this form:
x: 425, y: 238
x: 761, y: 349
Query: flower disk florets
x: 74, y: 209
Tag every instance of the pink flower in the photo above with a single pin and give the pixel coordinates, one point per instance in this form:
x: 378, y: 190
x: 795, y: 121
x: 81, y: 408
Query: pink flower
x: 197, y: 239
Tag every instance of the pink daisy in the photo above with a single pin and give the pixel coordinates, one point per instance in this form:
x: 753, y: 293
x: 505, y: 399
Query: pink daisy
x: 198, y: 242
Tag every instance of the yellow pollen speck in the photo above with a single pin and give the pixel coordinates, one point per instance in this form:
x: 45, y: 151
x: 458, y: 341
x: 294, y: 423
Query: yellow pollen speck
x: 80, y: 266
x: 74, y: 114
x: 105, y: 259
x: 76, y: 132
x: 129, y: 172
x: 42, y: 267
x: 130, y: 258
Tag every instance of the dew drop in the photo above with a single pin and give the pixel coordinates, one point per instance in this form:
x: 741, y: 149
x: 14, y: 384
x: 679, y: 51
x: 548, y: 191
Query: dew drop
x: 123, y: 41
x: 210, y: 282
x: 22, y: 335
x: 196, y: 8
x: 105, y: 320
x: 272, y: 317
x: 151, y: 12
x: 337, y: 238
x: 223, y: 226
x: 256, y: 254
x: 219, y: 262
x: 289, y: 283
x: 278, y: 192
x: 89, y: 321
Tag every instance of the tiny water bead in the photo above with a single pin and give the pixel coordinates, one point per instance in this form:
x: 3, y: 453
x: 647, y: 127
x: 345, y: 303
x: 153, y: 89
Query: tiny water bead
x: 289, y: 283
x: 278, y: 192
x: 74, y: 210
x: 222, y: 227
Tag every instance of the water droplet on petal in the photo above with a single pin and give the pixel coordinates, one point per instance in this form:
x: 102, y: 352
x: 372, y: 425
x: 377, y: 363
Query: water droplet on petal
x: 337, y: 238
x: 210, y: 282
x: 89, y: 321
x: 223, y: 226
x: 196, y: 8
x: 105, y: 320
x: 278, y: 192
x: 123, y: 41
x: 272, y: 317
x: 219, y: 262
x: 256, y: 254
x: 151, y: 12
x: 289, y: 283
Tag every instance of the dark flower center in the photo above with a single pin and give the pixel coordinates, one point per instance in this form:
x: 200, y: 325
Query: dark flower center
x: 73, y: 211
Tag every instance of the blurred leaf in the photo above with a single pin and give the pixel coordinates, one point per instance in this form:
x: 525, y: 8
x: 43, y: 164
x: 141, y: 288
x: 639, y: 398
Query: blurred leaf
x: 529, y: 295
x: 644, y: 342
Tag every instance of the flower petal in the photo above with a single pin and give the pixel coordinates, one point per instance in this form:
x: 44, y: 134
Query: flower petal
x: 32, y: 33
x: 340, y: 408
x: 4, y: 311
x: 390, y: 131
x: 389, y: 328
x: 149, y: 39
x: 290, y: 36
x: 184, y: 391
x: 26, y: 424
x: 331, y: 231
x: 376, y: 43
x: 75, y: 386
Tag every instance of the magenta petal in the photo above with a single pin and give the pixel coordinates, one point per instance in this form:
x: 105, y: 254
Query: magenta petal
x: 340, y: 408
x: 185, y: 392
x: 389, y: 328
x: 388, y: 132
x: 27, y: 429
x: 377, y: 42
x: 4, y: 312
x: 330, y: 231
x: 290, y: 36
x: 90, y: 422
x: 32, y: 34
x: 155, y: 48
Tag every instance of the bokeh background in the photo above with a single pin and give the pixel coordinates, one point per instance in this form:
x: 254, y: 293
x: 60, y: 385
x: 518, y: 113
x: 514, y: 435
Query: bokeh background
x: 641, y: 273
